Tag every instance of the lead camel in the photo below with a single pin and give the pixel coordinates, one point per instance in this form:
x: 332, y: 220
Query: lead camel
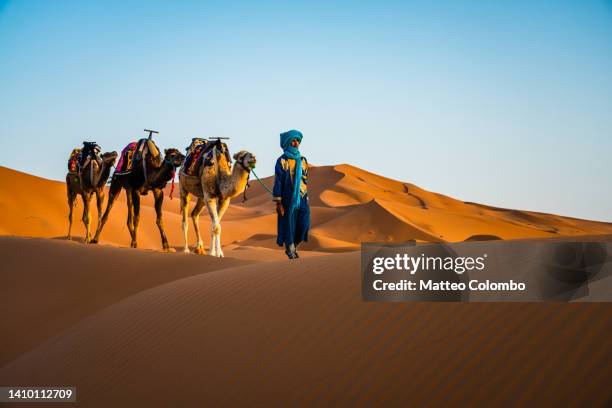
x: 214, y: 186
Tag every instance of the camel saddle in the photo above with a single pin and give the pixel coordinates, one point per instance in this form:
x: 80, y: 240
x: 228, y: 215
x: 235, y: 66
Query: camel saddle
x: 193, y: 161
x: 90, y: 150
x: 126, y: 159
x: 200, y: 155
x: 196, y: 141
x: 134, y: 153
x: 73, y: 160
x: 80, y: 158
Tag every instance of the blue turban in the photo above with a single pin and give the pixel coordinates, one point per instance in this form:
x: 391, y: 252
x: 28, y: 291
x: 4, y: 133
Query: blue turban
x: 292, y: 152
x: 287, y: 137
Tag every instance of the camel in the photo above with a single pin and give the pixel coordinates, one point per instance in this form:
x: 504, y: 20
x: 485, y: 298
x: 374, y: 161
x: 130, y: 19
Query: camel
x: 90, y: 180
x: 216, y: 185
x: 140, y: 181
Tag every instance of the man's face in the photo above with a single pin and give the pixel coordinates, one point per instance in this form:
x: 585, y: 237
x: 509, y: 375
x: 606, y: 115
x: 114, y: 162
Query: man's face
x: 295, y: 143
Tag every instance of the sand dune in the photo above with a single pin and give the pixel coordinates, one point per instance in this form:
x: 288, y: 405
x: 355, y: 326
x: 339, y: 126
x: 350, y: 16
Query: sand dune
x: 32, y: 206
x: 202, y: 331
x: 68, y: 281
x: 349, y: 205
x: 374, y: 207
x: 142, y: 328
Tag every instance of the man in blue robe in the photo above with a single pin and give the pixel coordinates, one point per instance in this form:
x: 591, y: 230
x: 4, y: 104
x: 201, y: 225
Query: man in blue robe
x: 291, y: 194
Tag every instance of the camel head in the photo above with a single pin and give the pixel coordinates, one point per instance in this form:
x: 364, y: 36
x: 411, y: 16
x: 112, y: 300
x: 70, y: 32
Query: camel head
x: 246, y: 160
x: 109, y: 158
x: 174, y: 157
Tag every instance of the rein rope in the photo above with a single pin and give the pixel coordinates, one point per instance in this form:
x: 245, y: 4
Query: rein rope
x: 244, y: 197
x: 262, y: 184
x: 172, y: 187
x: 172, y: 175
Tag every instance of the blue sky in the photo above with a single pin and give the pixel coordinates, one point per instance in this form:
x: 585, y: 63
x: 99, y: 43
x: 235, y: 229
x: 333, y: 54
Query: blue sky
x: 504, y: 104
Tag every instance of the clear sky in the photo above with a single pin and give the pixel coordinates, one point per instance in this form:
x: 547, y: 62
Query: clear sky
x: 504, y: 104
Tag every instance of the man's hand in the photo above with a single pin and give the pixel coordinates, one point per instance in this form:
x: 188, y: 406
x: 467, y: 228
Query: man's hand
x: 280, y: 210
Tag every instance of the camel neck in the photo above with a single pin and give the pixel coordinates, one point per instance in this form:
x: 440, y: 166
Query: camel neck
x: 234, y: 183
x: 104, y: 174
x: 159, y: 177
x: 91, y: 174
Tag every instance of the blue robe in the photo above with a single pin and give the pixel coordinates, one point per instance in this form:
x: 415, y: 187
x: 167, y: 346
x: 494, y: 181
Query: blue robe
x: 293, y: 227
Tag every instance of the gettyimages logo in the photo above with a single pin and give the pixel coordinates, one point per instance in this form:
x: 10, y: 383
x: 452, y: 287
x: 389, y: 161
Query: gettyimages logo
x: 487, y: 271
x: 422, y: 262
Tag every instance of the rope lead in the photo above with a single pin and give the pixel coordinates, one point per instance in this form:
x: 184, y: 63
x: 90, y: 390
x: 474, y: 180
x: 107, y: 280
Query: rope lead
x: 244, y: 197
x: 262, y: 184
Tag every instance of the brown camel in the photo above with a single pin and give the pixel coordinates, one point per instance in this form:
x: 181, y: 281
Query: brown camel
x: 90, y: 180
x: 141, y: 180
x: 214, y: 187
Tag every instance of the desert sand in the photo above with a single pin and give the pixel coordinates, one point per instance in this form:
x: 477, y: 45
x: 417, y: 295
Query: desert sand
x: 349, y: 206
x: 140, y: 328
x: 143, y: 328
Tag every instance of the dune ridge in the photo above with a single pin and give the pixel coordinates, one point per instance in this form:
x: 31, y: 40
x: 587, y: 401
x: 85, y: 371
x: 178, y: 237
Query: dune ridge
x: 349, y: 205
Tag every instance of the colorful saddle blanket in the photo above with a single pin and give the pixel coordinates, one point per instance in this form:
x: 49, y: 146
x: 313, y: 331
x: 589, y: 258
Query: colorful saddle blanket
x: 194, y: 160
x: 73, y: 160
x: 200, y: 154
x: 195, y: 142
x: 126, y: 161
x: 134, y: 153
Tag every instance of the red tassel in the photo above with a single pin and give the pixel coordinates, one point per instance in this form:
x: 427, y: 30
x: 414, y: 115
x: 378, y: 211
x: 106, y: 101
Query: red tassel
x: 172, y: 188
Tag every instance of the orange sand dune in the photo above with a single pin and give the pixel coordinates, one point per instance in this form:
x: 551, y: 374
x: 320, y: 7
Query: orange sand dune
x: 138, y: 328
x: 69, y: 281
x: 32, y: 206
x: 141, y: 328
x: 349, y: 205
x: 369, y: 207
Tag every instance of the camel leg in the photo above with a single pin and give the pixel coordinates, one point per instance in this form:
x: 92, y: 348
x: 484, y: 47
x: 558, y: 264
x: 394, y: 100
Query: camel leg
x: 112, y: 196
x: 99, y: 202
x: 184, y: 207
x: 211, y: 205
x: 71, y: 201
x: 223, y: 205
x: 136, y: 204
x: 195, y: 217
x: 86, y: 219
x: 130, y: 219
x: 159, y: 200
